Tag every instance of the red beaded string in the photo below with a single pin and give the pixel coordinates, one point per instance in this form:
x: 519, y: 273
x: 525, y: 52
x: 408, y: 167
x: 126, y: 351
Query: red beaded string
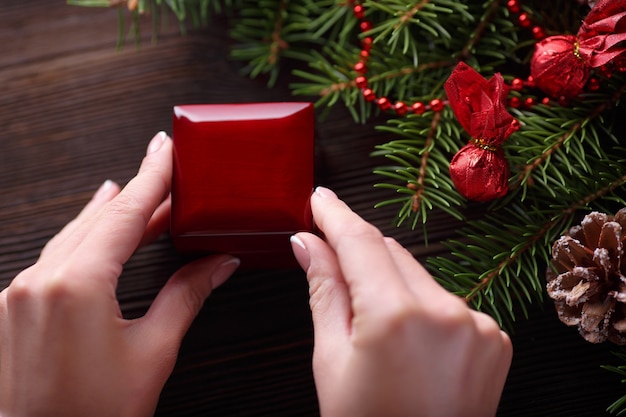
x: 361, y: 81
x: 401, y: 108
x: 525, y: 20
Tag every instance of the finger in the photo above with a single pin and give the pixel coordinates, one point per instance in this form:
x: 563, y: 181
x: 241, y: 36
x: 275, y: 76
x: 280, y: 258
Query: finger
x: 120, y: 225
x: 68, y: 238
x: 159, y: 223
x: 416, y: 277
x: 329, y: 297
x: 182, y: 297
x: 496, y: 349
x: 367, y: 267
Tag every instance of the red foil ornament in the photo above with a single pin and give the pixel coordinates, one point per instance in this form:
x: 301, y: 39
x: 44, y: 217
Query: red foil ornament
x: 479, y: 170
x: 556, y: 68
x: 562, y: 64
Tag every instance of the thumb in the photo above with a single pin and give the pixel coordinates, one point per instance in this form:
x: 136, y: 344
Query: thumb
x: 329, y: 296
x: 182, y: 297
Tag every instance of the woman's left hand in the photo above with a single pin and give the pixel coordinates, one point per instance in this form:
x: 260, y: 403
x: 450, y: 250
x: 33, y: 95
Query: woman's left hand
x: 65, y: 349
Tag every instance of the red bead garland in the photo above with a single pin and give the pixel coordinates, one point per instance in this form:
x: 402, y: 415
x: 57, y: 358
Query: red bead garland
x: 418, y: 108
x: 524, y: 19
x: 513, y: 6
x: 436, y: 105
x: 400, y: 108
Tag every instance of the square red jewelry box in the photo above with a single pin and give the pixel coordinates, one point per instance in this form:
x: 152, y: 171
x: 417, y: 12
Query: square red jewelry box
x: 242, y: 179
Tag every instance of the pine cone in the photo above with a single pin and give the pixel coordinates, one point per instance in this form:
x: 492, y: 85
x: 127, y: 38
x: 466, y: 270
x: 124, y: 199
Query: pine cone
x: 587, y: 279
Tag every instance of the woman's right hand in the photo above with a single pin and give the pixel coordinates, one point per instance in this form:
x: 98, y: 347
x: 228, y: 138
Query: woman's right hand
x: 389, y: 340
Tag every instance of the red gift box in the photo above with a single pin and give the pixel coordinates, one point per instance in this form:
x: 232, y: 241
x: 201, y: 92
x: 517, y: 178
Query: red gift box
x: 243, y: 175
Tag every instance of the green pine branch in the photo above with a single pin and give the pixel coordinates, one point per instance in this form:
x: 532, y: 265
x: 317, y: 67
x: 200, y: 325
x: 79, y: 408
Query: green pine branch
x: 619, y: 406
x: 332, y: 82
x: 556, y: 141
x: 196, y: 13
x: 331, y: 20
x: 268, y: 31
x: 419, y: 168
x: 498, y: 263
x: 402, y: 25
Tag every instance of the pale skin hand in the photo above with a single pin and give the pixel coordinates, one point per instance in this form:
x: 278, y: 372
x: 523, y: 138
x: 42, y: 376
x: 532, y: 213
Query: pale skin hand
x: 65, y: 349
x: 389, y: 340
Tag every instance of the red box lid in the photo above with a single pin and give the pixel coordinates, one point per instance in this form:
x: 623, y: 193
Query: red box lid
x: 242, y: 179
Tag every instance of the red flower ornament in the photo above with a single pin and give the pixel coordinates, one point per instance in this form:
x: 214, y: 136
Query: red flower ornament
x: 480, y: 170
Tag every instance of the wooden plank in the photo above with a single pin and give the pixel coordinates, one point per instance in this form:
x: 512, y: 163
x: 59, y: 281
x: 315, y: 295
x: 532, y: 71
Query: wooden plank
x: 76, y: 111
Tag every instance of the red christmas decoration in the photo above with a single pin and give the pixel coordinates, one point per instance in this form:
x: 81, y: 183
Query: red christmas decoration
x: 480, y: 170
x: 602, y: 32
x: 562, y: 64
x: 556, y: 68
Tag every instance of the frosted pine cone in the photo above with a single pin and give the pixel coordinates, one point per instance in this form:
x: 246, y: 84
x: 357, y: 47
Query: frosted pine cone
x: 587, y: 279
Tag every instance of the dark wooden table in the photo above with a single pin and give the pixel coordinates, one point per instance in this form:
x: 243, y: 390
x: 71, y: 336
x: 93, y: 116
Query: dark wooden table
x: 74, y: 111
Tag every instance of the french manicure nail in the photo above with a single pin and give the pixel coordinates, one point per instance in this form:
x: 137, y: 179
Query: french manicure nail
x: 300, y: 252
x: 295, y: 239
x: 103, y: 189
x: 223, y: 271
x: 156, y: 142
x: 325, y: 192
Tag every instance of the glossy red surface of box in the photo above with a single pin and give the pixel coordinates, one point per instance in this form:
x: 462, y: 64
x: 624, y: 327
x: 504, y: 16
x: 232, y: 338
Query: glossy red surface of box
x: 243, y: 175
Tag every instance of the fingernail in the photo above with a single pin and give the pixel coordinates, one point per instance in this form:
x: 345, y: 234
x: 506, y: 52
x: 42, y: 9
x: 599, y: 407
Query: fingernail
x: 104, y: 190
x: 156, y: 142
x: 223, y: 271
x: 300, y: 252
x: 325, y: 192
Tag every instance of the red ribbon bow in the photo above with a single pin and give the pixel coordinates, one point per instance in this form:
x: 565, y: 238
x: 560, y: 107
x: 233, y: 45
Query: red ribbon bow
x: 480, y: 170
x: 602, y: 31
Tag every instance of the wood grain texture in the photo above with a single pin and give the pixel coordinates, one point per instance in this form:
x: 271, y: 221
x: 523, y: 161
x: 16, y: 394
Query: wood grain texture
x: 76, y: 111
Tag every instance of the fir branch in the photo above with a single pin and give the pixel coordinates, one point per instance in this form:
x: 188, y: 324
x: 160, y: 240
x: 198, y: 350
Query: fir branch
x: 332, y: 80
x: 420, y: 166
x: 409, y: 70
x: 493, y: 265
x: 418, y: 185
x: 332, y: 20
x: 403, y: 27
x: 619, y: 406
x: 194, y: 12
x: 268, y: 31
x: 491, y: 8
x: 277, y: 42
x: 407, y: 16
x: 497, y: 256
x: 259, y: 32
x: 574, y: 126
